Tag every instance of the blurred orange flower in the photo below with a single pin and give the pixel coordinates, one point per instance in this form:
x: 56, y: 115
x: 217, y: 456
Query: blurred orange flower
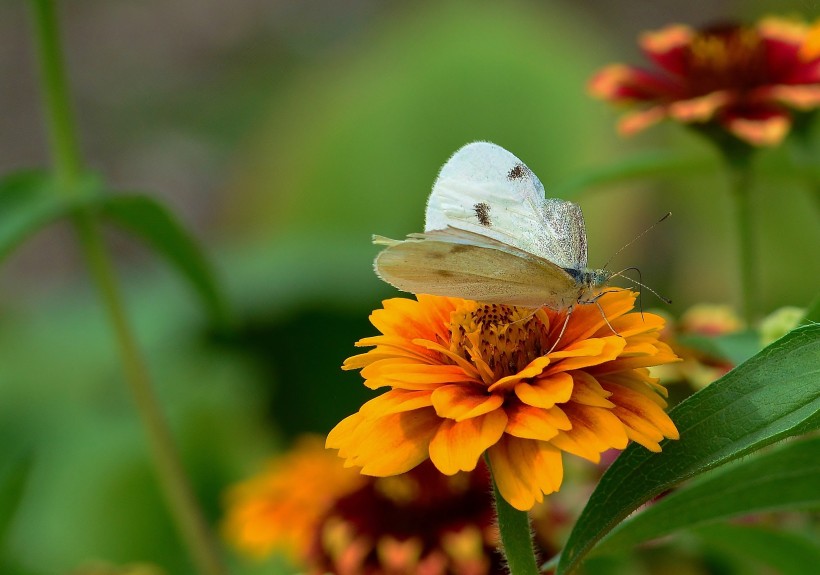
x: 468, y: 377
x: 278, y: 509
x: 331, y: 519
x: 744, y: 79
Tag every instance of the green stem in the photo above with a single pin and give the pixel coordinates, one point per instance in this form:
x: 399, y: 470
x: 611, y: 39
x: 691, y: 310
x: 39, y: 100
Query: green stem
x: 516, y: 536
x: 60, y: 120
x: 741, y: 179
x: 175, y: 484
x: 68, y: 170
x: 804, y: 156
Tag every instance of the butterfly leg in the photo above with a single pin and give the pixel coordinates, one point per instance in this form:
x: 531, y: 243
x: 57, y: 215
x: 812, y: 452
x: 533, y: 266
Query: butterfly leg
x: 563, y: 329
x: 603, y: 315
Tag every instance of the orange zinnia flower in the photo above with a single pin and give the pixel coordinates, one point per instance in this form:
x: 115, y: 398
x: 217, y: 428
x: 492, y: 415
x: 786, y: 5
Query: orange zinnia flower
x: 469, y: 377
x: 743, y: 79
x: 279, y: 508
x: 331, y: 519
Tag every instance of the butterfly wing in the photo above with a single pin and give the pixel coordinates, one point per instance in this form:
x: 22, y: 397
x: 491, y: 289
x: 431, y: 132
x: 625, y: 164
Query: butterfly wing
x: 486, y: 190
x: 457, y: 263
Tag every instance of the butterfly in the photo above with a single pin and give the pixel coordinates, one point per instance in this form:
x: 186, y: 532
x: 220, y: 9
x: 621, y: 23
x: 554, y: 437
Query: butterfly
x: 490, y: 235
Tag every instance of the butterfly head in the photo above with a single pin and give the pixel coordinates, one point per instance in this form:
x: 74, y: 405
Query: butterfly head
x: 588, y: 280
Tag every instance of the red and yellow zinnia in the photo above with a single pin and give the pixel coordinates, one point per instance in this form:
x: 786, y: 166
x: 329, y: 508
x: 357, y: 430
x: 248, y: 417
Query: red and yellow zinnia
x: 467, y: 378
x: 330, y: 519
x: 747, y: 80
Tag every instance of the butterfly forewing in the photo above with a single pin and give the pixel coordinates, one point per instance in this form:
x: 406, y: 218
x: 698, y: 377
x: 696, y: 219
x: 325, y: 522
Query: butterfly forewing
x: 486, y: 190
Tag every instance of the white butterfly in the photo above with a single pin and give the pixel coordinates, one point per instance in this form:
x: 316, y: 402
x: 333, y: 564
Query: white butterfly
x: 491, y: 235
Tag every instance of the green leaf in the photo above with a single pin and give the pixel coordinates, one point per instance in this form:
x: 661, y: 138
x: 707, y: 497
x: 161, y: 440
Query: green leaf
x: 733, y: 347
x: 812, y: 313
x: 786, y: 553
x: 27, y: 204
x: 774, y: 395
x: 784, y: 478
x: 636, y: 166
x: 30, y: 200
x: 13, y: 479
x: 158, y: 227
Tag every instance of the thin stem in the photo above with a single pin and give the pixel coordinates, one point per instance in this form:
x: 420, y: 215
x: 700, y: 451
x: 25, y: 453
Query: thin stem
x: 68, y: 169
x: 60, y: 119
x: 176, y: 487
x: 516, y: 536
x: 804, y: 156
x: 741, y: 179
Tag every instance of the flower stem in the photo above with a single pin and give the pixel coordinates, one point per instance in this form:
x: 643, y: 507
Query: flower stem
x: 516, y: 537
x: 740, y: 174
x: 68, y: 169
x: 60, y: 121
x: 173, y: 479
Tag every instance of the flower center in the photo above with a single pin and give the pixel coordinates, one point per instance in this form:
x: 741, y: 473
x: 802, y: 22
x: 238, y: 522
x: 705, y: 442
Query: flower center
x: 506, y: 338
x: 726, y: 57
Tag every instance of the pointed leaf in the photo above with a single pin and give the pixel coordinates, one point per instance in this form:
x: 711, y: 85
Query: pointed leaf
x: 786, y: 553
x: 158, y: 227
x: 774, y: 395
x: 786, y: 477
x: 30, y: 200
x: 27, y: 204
x: 634, y: 167
x: 733, y: 347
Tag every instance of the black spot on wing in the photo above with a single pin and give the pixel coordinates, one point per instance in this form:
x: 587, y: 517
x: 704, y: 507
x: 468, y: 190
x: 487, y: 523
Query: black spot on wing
x: 482, y: 212
x: 517, y: 172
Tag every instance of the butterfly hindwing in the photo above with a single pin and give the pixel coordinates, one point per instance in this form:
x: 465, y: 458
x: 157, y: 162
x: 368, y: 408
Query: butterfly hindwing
x: 487, y: 190
x: 457, y: 266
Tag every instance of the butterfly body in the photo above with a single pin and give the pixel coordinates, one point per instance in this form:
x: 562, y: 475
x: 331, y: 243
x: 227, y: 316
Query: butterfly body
x: 491, y: 235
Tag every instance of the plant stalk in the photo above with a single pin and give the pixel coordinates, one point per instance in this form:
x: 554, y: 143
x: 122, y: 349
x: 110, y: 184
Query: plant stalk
x: 740, y: 174
x: 68, y: 170
x: 516, y: 536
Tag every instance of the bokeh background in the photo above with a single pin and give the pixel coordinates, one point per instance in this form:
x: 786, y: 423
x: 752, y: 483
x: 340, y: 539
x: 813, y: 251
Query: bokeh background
x: 284, y: 134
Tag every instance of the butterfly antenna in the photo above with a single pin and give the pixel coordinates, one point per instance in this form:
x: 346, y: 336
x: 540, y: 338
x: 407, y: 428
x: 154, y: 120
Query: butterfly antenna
x: 636, y: 238
x: 639, y: 283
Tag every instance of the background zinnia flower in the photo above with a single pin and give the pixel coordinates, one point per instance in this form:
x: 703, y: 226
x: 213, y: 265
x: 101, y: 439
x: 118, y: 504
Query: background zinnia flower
x: 467, y: 377
x: 278, y: 508
x: 331, y: 519
x: 745, y: 79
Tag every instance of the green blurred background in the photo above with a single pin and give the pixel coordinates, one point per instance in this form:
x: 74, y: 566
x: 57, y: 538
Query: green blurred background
x: 284, y: 134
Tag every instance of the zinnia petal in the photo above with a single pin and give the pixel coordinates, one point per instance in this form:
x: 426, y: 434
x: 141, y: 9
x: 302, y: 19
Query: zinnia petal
x: 410, y: 375
x: 396, y: 401
x: 637, y: 121
x: 668, y: 47
x: 759, y: 127
x: 386, y: 445
x: 545, y: 392
x: 457, y: 445
x: 586, y: 354
x: 461, y: 402
x: 524, y: 470
x: 700, y: 109
x: 530, y: 422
